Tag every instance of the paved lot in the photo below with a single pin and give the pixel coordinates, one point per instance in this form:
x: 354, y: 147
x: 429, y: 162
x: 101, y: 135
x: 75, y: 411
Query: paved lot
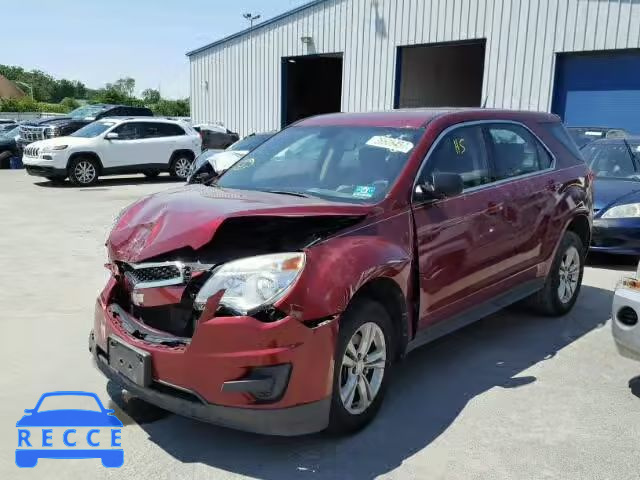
x: 514, y: 396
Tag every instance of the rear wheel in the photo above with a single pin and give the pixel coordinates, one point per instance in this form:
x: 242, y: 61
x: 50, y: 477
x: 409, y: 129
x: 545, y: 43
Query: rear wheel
x: 562, y: 286
x: 83, y: 171
x: 181, y: 166
x: 363, y: 359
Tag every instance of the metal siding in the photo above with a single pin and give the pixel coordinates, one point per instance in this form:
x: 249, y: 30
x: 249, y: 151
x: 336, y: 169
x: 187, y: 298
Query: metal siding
x: 523, y: 36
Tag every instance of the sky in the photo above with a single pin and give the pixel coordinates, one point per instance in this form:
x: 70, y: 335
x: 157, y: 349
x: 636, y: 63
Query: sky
x: 97, y: 41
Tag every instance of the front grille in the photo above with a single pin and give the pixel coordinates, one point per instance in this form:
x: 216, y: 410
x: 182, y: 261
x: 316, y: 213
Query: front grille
x: 147, y: 275
x: 29, y: 134
x: 30, y: 151
x: 154, y: 274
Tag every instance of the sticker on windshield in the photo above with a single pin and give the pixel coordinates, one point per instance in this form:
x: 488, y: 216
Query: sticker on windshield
x: 638, y: 148
x: 390, y: 143
x: 593, y: 134
x: 244, y: 163
x: 364, y: 191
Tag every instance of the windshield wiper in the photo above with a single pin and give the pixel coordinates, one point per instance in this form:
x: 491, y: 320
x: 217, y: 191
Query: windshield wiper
x: 288, y: 192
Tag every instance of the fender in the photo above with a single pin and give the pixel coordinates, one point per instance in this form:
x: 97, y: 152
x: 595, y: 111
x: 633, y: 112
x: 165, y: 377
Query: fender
x: 338, y: 267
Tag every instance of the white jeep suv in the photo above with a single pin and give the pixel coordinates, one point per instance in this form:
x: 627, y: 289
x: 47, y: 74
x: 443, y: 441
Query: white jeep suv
x: 115, y: 146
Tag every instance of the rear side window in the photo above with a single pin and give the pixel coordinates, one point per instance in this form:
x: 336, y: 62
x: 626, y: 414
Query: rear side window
x: 460, y: 151
x: 515, y: 151
x: 170, y: 130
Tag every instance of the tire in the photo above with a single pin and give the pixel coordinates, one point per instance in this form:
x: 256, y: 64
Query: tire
x: 549, y: 300
x: 151, y: 174
x: 352, y: 414
x: 181, y: 166
x: 80, y: 171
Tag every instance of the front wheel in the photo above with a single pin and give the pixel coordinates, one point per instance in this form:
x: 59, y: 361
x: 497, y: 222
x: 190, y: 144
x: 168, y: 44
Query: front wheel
x: 181, y: 166
x: 363, y: 360
x: 562, y: 286
x: 83, y: 171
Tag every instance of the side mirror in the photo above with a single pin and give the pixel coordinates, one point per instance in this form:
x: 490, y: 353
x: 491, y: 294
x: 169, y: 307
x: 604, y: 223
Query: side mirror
x: 111, y: 136
x: 28, y: 410
x: 443, y: 185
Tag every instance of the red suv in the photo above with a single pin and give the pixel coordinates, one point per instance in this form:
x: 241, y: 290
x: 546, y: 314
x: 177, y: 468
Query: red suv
x: 279, y: 299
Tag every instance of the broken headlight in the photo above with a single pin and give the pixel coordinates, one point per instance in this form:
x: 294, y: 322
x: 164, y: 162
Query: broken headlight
x: 252, y: 282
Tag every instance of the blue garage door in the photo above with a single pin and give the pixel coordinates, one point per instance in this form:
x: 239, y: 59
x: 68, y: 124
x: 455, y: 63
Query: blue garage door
x: 599, y: 90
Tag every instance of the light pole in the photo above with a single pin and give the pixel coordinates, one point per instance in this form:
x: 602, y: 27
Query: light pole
x: 251, y: 18
x: 25, y: 85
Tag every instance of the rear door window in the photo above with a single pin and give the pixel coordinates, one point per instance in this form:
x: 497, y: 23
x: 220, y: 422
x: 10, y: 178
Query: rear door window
x: 460, y: 151
x: 515, y: 151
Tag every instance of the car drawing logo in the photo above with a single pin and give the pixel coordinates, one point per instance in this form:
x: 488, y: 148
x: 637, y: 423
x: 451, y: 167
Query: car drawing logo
x: 46, y: 432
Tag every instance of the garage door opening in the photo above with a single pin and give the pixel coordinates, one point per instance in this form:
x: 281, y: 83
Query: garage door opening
x: 599, y: 89
x: 311, y: 85
x: 440, y: 75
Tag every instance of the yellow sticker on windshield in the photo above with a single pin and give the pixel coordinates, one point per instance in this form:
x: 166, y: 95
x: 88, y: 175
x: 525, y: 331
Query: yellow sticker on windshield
x: 390, y: 143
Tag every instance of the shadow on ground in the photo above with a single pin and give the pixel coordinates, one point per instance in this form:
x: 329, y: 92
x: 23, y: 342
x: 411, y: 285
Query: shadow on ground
x: 429, y: 390
x: 110, y: 182
x: 612, y: 262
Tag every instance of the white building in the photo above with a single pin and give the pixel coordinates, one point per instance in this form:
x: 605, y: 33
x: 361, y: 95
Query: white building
x: 578, y: 58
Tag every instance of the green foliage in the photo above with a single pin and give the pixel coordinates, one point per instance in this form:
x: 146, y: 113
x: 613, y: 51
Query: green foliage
x: 27, y: 104
x: 45, y: 87
x: 151, y: 96
x: 171, y: 108
x: 60, y: 96
x: 69, y: 103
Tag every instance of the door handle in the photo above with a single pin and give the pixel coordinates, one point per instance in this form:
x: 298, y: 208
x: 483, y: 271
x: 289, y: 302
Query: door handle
x: 494, y: 208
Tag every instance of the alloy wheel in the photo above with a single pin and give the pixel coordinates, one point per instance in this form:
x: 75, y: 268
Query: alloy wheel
x: 362, y: 368
x: 569, y: 274
x: 84, y: 172
x: 183, y: 167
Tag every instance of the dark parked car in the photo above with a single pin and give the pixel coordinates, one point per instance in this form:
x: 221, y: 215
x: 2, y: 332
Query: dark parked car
x: 51, y: 127
x: 616, y: 165
x: 8, y: 146
x: 279, y: 300
x: 585, y: 135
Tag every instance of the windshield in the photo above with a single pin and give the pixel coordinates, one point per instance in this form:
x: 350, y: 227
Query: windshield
x: 88, y: 111
x: 613, y: 159
x: 93, y: 129
x: 251, y: 142
x: 352, y: 164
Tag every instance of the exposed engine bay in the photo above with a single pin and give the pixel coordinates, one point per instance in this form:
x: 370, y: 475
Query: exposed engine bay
x: 155, y: 298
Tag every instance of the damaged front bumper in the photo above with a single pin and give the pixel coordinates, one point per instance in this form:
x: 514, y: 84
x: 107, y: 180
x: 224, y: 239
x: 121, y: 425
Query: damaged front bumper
x: 270, y: 378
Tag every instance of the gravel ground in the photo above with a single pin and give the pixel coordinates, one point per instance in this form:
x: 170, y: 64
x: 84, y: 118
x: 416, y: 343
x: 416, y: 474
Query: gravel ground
x: 513, y: 396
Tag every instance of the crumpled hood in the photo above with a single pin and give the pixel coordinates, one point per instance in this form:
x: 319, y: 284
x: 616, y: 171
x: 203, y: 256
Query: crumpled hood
x: 189, y: 217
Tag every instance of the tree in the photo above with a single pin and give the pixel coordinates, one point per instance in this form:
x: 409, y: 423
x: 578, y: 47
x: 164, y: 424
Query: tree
x: 151, y: 96
x: 69, y: 103
x: 125, y: 86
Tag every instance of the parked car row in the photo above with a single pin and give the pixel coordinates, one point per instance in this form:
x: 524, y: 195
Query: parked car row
x: 114, y: 146
x: 279, y: 299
